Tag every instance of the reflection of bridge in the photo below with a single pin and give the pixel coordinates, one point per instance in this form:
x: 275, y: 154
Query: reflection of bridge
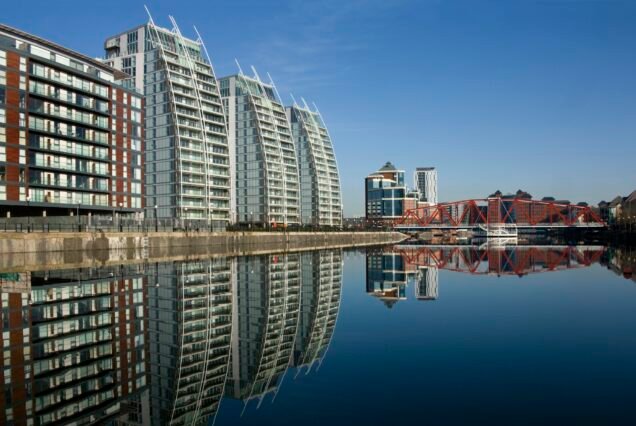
x: 391, y: 271
x: 506, y: 260
x: 498, y: 212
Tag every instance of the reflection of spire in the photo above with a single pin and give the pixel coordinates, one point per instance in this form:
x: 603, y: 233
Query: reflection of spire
x: 320, y: 303
x: 426, y: 287
x: 190, y: 328
x: 266, y: 294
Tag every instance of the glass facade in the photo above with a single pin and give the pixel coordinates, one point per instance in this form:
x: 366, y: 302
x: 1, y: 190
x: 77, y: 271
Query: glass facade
x: 265, y: 164
x: 320, y: 199
x: 187, y: 158
x: 386, y: 195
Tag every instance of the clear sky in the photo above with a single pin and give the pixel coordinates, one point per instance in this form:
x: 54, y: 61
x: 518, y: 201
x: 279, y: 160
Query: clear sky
x: 538, y: 95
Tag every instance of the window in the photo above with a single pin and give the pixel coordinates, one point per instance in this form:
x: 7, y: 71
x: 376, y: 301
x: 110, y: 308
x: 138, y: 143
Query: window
x: 132, y: 42
x: 128, y: 65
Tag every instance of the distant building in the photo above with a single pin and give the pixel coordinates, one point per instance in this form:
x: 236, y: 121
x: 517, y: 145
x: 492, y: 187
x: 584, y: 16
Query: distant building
x: 615, y: 208
x: 70, y: 134
x: 386, y: 195
x: 629, y: 207
x: 426, y: 184
x: 620, y: 209
x: 603, y: 210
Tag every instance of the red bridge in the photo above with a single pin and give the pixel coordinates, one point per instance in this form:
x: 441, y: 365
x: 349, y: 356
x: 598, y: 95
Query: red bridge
x: 499, y: 212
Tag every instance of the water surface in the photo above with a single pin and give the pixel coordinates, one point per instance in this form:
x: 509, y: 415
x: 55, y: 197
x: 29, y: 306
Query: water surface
x: 393, y: 335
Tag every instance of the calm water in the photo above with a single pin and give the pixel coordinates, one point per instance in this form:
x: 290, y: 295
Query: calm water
x: 398, y: 335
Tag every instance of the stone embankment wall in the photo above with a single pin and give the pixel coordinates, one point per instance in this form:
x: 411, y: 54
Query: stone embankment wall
x: 34, y: 251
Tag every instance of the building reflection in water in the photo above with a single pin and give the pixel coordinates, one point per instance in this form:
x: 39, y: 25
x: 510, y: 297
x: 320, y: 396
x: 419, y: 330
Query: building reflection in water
x: 390, y: 271
x: 190, y: 321
x: 266, y: 302
x: 73, y: 345
x: 285, y: 309
x: 387, y: 277
x: 321, y: 289
x: 163, y: 343
x: 621, y: 261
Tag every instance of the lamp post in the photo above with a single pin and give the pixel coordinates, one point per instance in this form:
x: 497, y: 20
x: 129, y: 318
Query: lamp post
x: 28, y: 200
x: 78, y: 216
x: 185, y: 220
x: 156, y: 220
x: 121, y: 207
x: 251, y: 219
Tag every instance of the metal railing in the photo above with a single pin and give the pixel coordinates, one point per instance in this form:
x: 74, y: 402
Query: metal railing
x: 123, y: 223
x: 107, y: 224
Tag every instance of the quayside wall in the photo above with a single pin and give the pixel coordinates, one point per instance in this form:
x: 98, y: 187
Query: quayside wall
x: 35, y: 251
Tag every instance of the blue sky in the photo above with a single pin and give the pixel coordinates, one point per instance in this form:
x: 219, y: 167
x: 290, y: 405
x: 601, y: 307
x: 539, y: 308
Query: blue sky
x: 538, y: 95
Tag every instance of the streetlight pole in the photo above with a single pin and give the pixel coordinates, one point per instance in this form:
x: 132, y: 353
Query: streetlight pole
x: 78, y: 216
x: 156, y: 220
x: 185, y: 220
x: 251, y: 220
x: 28, y: 200
x: 121, y: 207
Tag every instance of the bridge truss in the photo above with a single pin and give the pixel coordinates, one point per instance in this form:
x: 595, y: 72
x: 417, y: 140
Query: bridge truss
x: 492, y: 212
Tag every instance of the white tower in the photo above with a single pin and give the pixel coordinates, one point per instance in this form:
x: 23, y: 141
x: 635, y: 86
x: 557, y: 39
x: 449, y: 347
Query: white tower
x: 426, y: 184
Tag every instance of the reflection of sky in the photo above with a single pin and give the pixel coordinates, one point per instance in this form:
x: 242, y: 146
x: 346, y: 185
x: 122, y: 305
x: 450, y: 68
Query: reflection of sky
x: 556, y: 348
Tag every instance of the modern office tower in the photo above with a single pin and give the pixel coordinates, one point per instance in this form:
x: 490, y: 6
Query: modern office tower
x: 264, y: 159
x: 427, y: 283
x: 189, y: 328
x: 187, y: 168
x: 320, y: 292
x: 386, y: 277
x: 386, y: 195
x: 320, y: 195
x: 266, y: 299
x: 426, y: 184
x: 74, y: 344
x: 70, y: 135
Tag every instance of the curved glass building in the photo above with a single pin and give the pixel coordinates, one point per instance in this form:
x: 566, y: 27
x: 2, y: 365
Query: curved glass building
x: 266, y: 183
x: 320, y: 198
x: 187, y: 170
